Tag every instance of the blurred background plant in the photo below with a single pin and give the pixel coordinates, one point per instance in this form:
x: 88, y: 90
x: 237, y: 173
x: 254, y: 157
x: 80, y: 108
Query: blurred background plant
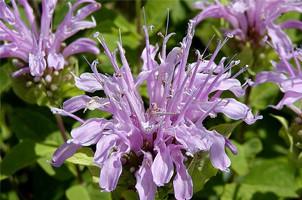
x: 268, y: 165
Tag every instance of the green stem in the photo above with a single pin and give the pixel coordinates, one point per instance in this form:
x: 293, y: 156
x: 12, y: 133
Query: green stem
x: 246, y: 101
x: 61, y: 127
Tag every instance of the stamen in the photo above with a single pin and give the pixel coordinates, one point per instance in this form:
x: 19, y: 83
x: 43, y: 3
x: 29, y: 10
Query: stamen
x: 207, y: 46
x: 65, y: 113
x: 107, y: 51
x: 288, y: 66
x: 297, y: 62
x: 243, y: 69
x: 120, y: 36
x: 167, y: 23
x: 144, y: 14
x: 204, y: 115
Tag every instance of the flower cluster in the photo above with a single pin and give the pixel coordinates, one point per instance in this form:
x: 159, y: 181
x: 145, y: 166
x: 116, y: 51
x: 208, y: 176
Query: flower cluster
x: 39, y: 48
x: 162, y: 137
x: 254, y: 20
x: 288, y: 76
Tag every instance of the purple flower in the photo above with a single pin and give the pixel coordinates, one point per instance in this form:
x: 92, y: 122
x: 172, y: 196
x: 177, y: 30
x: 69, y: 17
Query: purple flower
x: 41, y: 49
x: 288, y: 76
x: 254, y: 20
x: 181, y: 96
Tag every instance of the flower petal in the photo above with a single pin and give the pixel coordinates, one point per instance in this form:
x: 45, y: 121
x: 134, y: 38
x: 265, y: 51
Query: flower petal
x: 90, y: 132
x: 88, y: 82
x: 280, y: 40
x: 232, y: 85
x: 37, y: 64
x: 80, y: 102
x: 288, y: 99
x: 74, y: 23
x: 81, y: 45
x: 276, y: 77
x: 22, y: 71
x: 218, y: 157
x: 55, y: 60
x: 110, y: 172
x: 63, y: 152
x: 145, y: 186
x: 292, y: 24
x: 236, y: 110
x: 162, y: 167
x: 103, y: 148
x: 182, y: 183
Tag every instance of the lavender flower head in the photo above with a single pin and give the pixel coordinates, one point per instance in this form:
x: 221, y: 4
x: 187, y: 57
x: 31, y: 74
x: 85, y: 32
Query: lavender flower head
x: 254, y: 20
x: 42, y: 50
x: 288, y: 75
x: 162, y: 137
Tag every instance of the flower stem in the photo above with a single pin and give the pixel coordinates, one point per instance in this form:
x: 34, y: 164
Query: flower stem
x: 61, y: 127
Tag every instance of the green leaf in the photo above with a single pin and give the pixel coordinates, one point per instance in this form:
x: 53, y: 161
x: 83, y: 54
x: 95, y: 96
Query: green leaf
x: 272, y: 175
x: 129, y: 195
x: 5, y: 77
x: 201, y: 170
x: 95, y: 173
x: 24, y: 154
x: 31, y: 124
x: 34, y: 94
x: 77, y: 192
x: 11, y: 195
x: 96, y: 194
x: 239, y: 161
x: 246, y: 153
x: 228, y: 192
x: 268, y: 179
x: 46, y: 166
x: 177, y: 12
x: 158, y: 18
x: 20, y: 156
x: 284, y: 131
x: 252, y: 147
x: 83, y: 157
x: 263, y: 95
x: 282, y: 120
x: 44, y: 150
x: 5, y: 131
x: 226, y: 129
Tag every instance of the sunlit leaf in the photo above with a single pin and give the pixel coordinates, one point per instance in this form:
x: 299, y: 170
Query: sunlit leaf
x: 263, y: 95
x: 83, y: 157
x: 77, y: 192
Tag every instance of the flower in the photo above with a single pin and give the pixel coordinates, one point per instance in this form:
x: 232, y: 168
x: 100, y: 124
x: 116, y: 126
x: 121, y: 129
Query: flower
x: 254, y: 20
x: 41, y: 49
x: 288, y: 76
x: 160, y: 138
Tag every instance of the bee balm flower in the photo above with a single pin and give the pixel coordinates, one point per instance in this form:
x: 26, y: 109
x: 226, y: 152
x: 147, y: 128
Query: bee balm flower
x: 287, y: 74
x: 254, y: 20
x: 40, y: 48
x: 159, y: 137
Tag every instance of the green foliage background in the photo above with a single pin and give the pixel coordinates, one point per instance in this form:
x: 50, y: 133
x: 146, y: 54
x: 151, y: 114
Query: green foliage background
x: 268, y: 165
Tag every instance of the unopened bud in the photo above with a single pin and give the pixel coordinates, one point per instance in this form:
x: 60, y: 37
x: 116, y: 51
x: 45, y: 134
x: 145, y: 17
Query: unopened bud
x: 48, y: 78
